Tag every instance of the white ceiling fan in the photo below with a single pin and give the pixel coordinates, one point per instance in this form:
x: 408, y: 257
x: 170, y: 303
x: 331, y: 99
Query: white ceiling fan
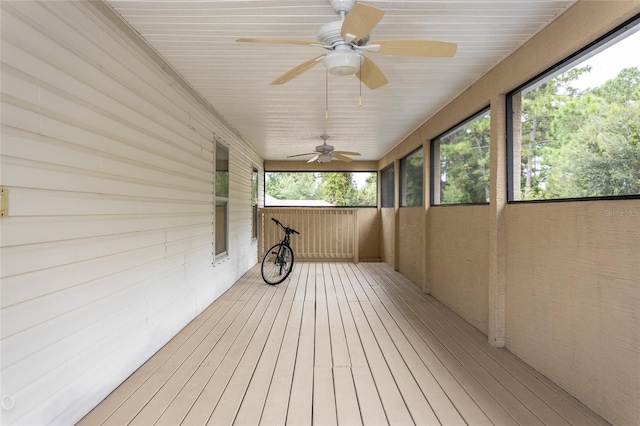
x: 325, y: 153
x: 346, y: 41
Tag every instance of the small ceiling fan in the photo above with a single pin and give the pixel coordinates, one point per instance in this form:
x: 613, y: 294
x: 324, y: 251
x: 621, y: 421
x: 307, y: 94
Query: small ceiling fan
x: 346, y: 41
x: 325, y: 153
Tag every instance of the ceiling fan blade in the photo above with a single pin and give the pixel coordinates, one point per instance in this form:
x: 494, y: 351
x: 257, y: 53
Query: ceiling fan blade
x: 277, y: 41
x: 360, y: 21
x: 341, y: 157
x: 347, y: 153
x: 302, y: 155
x: 424, y: 48
x: 371, y: 75
x: 294, y: 72
x: 313, y: 159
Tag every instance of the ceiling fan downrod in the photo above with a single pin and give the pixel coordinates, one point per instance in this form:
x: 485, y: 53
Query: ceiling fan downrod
x: 342, y: 7
x: 326, y: 95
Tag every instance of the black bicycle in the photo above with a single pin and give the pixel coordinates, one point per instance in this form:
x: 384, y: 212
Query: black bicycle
x: 278, y: 260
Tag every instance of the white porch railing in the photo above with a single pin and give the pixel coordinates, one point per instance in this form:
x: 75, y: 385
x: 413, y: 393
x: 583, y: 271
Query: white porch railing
x: 325, y: 233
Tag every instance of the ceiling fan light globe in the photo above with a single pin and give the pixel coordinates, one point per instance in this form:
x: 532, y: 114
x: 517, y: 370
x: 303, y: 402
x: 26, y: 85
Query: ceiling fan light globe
x: 324, y: 158
x: 342, y: 63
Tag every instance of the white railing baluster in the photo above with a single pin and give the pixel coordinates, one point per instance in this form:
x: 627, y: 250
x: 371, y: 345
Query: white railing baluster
x: 325, y: 233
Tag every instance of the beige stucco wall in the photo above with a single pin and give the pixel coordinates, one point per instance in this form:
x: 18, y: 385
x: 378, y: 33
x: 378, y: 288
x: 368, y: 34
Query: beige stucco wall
x: 388, y: 235
x: 573, y: 299
x: 563, y: 288
x: 457, y: 265
x: 369, y: 234
x: 411, y: 250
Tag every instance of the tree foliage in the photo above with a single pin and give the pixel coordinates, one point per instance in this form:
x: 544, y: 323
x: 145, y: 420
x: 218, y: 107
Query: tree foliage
x: 337, y: 188
x: 368, y: 195
x: 293, y: 186
x: 412, y: 173
x: 464, y: 163
x: 581, y: 143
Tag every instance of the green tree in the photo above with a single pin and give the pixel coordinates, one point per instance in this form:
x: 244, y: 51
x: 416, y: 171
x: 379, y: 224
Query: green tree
x: 339, y: 188
x: 464, y: 157
x: 623, y: 89
x: 413, y: 178
x: 539, y: 110
x: 583, y: 144
x: 293, y: 186
x: 605, y: 156
x: 535, y: 130
x: 368, y: 194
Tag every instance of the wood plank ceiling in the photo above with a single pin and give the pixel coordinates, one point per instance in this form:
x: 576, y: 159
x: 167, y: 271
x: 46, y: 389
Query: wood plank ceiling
x: 198, y: 39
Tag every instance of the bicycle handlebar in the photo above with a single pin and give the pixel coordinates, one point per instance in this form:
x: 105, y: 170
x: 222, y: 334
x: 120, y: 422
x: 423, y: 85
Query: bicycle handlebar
x: 286, y: 229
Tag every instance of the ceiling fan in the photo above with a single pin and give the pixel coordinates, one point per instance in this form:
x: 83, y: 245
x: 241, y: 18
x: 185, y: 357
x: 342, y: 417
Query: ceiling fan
x: 325, y: 153
x: 348, y: 38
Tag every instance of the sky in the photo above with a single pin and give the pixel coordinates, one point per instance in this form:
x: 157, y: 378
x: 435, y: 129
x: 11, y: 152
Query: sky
x: 608, y: 63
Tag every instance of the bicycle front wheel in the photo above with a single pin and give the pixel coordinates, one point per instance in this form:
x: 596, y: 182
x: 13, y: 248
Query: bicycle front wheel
x: 277, y: 264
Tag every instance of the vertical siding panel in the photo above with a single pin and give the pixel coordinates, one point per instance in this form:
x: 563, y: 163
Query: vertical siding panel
x: 107, y: 249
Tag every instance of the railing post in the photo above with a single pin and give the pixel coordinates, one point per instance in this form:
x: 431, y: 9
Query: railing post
x: 356, y: 237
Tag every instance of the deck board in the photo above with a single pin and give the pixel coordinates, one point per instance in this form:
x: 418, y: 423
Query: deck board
x: 336, y: 343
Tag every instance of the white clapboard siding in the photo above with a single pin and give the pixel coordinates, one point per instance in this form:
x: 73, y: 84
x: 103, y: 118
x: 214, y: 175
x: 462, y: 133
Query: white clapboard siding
x: 242, y: 256
x: 107, y: 250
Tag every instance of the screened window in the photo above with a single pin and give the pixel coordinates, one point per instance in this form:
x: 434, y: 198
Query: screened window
x: 387, y: 189
x: 221, y: 199
x: 411, y: 179
x: 574, y: 131
x: 321, y: 189
x: 461, y: 162
x: 254, y: 203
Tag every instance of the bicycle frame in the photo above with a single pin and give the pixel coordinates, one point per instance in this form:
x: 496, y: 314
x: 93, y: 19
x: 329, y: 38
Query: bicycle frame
x: 283, y: 259
x: 280, y: 261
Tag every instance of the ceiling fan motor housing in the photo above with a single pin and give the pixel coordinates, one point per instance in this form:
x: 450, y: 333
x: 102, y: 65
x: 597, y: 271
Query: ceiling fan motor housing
x: 329, y: 33
x: 324, y: 149
x: 343, y: 60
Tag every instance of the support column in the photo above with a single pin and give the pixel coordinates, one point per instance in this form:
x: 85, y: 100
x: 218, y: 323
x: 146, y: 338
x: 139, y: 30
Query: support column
x: 396, y: 215
x: 426, y: 191
x: 497, y: 204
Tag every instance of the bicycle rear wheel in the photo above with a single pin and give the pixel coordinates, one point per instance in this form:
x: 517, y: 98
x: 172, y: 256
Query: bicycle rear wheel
x: 277, y: 264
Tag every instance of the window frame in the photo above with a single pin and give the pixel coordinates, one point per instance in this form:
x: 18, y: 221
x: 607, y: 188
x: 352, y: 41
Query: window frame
x: 581, y: 55
x: 255, y: 189
x: 218, y: 199
x: 384, y: 185
x: 434, y: 159
x: 402, y: 180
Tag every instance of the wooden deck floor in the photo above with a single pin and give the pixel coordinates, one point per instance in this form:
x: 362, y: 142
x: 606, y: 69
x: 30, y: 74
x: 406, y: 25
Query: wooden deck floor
x: 338, y: 343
